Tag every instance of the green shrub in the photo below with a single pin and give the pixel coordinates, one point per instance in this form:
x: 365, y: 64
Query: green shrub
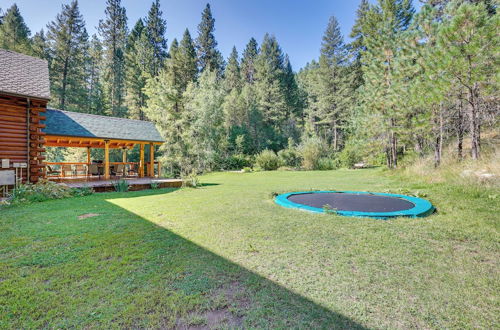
x: 236, y: 162
x: 45, y: 190
x: 290, y: 157
x: 349, y: 156
x: 190, y: 180
x: 325, y: 164
x: 312, y: 150
x: 267, y: 160
x: 82, y: 191
x: 121, y: 185
x: 247, y: 169
x: 155, y: 185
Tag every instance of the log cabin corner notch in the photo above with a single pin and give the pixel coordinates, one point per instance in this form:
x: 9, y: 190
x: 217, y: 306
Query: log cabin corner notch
x: 24, y: 93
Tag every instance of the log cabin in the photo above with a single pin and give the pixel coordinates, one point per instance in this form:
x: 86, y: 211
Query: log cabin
x: 27, y: 127
x: 24, y: 93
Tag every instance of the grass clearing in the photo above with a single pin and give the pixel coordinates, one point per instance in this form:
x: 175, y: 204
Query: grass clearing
x: 224, y: 255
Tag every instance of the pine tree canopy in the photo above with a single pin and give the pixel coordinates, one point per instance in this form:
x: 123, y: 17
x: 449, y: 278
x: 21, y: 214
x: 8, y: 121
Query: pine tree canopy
x: 14, y: 33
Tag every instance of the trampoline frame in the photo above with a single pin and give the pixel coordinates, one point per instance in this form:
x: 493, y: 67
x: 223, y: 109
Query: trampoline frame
x: 422, y: 207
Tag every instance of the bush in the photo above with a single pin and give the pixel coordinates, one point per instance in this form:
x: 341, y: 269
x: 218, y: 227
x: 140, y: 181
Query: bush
x: 247, y: 169
x: 349, y: 156
x: 45, y: 190
x: 312, y: 150
x: 267, y: 160
x: 325, y: 164
x: 236, y: 162
x: 290, y: 157
x: 190, y: 180
x: 83, y: 191
x: 121, y: 185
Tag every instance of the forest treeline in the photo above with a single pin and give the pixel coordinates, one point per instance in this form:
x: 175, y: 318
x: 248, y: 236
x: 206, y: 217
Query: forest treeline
x: 407, y: 83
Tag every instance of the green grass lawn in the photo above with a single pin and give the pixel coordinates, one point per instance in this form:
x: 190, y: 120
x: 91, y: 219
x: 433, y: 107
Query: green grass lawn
x: 224, y: 255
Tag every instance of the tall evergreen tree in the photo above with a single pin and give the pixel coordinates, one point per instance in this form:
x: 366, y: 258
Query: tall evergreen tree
x: 166, y: 104
x: 95, y: 103
x: 14, y: 33
x: 40, y: 46
x: 293, y: 100
x: 248, y: 61
x: 382, y: 30
x: 232, y: 75
x: 155, y: 30
x: 113, y: 31
x: 357, y: 46
x: 466, y: 49
x: 209, y: 56
x: 333, y: 88
x: 185, y: 60
x: 270, y: 91
x: 137, y: 66
x: 69, y: 45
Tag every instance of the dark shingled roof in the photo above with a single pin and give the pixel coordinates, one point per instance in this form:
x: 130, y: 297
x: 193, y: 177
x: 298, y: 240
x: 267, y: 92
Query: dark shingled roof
x: 67, y: 123
x: 24, y: 75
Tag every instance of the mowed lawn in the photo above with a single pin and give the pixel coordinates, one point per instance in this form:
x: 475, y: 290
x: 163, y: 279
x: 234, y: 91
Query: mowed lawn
x: 225, y: 256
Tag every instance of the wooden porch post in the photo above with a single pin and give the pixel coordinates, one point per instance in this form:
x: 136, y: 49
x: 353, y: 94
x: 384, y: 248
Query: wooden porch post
x: 88, y: 161
x: 141, y: 161
x: 124, y: 155
x: 106, y: 159
x: 151, y: 160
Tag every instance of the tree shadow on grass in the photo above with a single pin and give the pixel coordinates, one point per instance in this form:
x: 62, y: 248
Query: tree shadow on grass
x: 119, y: 269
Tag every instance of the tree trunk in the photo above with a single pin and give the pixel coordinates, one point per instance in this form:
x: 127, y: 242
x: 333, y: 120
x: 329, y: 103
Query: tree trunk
x: 335, y: 136
x: 474, y: 124
x: 460, y: 129
x: 394, y: 150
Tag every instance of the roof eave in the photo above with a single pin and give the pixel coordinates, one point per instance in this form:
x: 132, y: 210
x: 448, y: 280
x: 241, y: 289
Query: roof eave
x: 25, y: 96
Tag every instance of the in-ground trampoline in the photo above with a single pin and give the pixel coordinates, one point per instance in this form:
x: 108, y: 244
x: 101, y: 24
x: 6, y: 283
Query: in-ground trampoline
x: 357, y: 204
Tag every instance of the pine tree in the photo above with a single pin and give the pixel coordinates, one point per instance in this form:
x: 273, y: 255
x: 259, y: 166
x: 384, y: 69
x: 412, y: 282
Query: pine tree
x: 248, y: 61
x: 333, y: 87
x: 270, y: 91
x: 382, y: 30
x: 113, y: 31
x: 166, y: 104
x: 137, y: 66
x: 40, y: 46
x: 208, y: 56
x: 95, y: 103
x: 467, y: 45
x: 357, y: 46
x: 186, y: 61
x: 69, y: 45
x: 14, y: 33
x: 232, y: 75
x: 155, y: 30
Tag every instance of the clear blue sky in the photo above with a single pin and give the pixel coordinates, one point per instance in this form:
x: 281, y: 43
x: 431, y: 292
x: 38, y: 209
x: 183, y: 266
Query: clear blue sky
x: 297, y: 24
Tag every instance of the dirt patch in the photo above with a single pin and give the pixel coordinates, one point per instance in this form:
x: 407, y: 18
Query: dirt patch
x: 87, y: 215
x: 226, y: 315
x: 214, y: 319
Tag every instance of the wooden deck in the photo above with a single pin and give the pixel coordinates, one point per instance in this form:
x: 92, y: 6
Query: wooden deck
x: 108, y: 185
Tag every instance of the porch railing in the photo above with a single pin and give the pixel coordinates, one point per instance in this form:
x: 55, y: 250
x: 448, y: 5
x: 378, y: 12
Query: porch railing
x: 81, y: 169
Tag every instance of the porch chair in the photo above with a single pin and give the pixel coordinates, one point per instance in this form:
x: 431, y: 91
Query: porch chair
x: 118, y: 170
x: 80, y: 169
x: 133, y: 170
x: 94, y: 170
x: 65, y: 169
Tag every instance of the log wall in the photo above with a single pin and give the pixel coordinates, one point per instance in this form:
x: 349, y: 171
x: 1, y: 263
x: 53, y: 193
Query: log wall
x: 21, y: 136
